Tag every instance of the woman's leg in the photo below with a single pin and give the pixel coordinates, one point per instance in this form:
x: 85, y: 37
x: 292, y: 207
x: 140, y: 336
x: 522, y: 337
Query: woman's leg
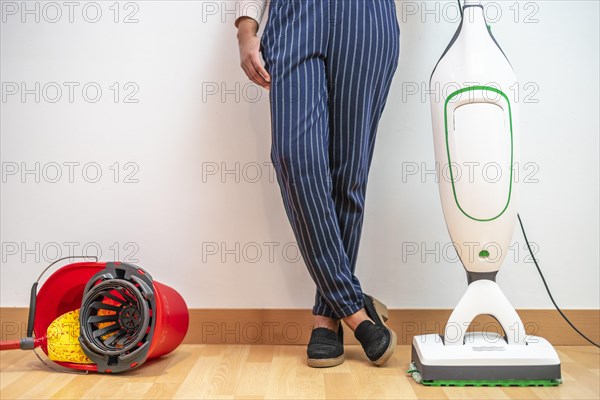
x: 362, y: 58
x: 296, y: 43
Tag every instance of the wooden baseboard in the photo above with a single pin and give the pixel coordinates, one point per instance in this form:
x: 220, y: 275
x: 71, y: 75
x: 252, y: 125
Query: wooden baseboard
x: 293, y: 326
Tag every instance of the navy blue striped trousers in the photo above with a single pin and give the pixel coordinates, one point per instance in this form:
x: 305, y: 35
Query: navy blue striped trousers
x: 331, y: 64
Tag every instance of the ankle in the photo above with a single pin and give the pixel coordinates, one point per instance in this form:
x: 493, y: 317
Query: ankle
x: 354, y: 320
x: 326, y: 322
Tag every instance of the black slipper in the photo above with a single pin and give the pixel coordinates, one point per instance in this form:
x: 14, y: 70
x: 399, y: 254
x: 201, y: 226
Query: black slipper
x: 325, y: 348
x: 377, y: 339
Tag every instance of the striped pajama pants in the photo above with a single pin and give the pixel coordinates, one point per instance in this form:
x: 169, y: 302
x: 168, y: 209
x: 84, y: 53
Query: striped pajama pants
x: 331, y: 64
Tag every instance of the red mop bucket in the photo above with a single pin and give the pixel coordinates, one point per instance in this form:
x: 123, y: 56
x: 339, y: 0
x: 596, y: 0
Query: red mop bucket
x: 125, y: 317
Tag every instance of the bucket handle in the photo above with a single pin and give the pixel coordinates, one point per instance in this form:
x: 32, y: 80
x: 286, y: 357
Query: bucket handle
x: 29, y: 342
x: 33, y: 298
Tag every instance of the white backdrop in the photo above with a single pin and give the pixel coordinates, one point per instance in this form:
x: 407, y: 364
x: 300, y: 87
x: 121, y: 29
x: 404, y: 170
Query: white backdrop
x: 129, y: 130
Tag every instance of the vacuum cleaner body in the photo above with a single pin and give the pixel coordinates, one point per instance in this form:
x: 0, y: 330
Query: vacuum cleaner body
x: 476, y: 137
x: 476, y: 132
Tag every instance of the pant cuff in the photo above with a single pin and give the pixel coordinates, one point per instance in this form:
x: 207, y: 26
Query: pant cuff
x: 351, y: 309
x: 326, y: 311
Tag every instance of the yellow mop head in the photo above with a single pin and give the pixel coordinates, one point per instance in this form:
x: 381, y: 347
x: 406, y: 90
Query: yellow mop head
x: 63, y: 343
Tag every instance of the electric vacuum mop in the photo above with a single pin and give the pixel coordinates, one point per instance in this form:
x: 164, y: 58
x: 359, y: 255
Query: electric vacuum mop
x: 476, y: 128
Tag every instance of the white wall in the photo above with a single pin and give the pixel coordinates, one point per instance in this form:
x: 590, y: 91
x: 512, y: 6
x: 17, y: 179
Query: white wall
x: 197, y: 114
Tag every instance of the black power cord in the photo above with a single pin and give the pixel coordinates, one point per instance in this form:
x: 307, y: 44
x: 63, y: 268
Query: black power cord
x: 548, y: 290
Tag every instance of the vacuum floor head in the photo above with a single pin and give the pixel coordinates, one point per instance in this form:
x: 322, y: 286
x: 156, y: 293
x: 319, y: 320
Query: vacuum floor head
x: 485, y: 359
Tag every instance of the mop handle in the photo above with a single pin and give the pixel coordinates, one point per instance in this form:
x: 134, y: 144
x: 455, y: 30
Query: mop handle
x: 32, y: 303
x: 29, y: 342
x: 33, y: 297
x: 10, y: 345
x: 23, y: 344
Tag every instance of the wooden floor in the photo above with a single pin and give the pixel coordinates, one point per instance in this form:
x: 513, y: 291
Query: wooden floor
x: 274, y: 372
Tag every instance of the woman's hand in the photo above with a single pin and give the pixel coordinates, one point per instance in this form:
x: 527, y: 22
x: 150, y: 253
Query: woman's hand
x: 250, y: 53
